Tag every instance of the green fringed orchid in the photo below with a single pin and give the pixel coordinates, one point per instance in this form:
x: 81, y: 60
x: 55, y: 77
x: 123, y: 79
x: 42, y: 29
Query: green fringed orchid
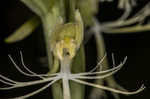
x: 64, y: 48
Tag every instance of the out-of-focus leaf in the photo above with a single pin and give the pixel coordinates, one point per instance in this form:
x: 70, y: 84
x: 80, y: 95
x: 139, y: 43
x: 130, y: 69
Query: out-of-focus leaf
x: 48, y: 11
x: 88, y: 9
x: 40, y: 7
x: 25, y: 30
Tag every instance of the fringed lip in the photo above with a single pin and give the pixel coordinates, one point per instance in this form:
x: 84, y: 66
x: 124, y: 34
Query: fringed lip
x: 65, y: 77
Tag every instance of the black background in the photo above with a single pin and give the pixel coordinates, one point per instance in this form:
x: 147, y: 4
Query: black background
x: 136, y: 46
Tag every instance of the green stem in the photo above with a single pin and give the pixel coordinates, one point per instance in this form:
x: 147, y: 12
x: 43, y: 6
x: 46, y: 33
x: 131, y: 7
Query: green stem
x: 47, y: 31
x: 78, y: 65
x: 57, y: 90
x: 49, y: 22
x: 132, y: 29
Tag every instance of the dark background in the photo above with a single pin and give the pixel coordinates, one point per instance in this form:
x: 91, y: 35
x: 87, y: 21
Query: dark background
x: 136, y: 46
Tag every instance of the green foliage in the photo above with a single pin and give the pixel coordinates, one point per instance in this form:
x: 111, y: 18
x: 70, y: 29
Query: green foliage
x: 24, y: 31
